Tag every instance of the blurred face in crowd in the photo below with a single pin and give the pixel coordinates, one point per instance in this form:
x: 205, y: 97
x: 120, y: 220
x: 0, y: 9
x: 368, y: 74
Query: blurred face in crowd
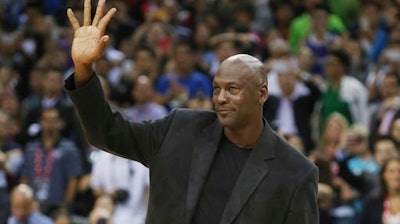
x: 51, y: 121
x: 7, y: 74
x: 143, y: 90
x: 240, y: 89
x: 280, y: 50
x: 333, y: 67
x: 390, y: 87
x: 225, y: 49
x: 309, y: 4
x: 305, y: 58
x: 319, y: 20
x: 155, y: 34
x: 202, y: 34
x: 52, y: 83
x: 21, y: 204
x: 357, y: 143
x: 284, y: 14
x: 334, y: 129
x: 9, y: 102
x: 5, y: 125
x: 143, y: 62
x: 183, y: 56
x: 369, y: 16
x: 384, y: 149
x: 287, y: 82
x: 391, y: 175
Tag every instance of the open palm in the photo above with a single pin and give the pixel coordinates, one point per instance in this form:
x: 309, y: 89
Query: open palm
x: 89, y: 40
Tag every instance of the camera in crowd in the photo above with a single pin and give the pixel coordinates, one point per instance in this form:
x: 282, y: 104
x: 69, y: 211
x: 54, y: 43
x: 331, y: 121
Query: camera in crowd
x: 121, y: 196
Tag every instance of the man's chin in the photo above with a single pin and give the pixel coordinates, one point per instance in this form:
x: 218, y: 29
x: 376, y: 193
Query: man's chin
x: 224, y: 121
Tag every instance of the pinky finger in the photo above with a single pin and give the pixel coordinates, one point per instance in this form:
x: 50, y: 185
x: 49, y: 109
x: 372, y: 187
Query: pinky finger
x: 72, y: 19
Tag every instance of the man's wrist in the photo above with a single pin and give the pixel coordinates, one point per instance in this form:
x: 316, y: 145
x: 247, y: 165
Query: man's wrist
x: 83, y: 73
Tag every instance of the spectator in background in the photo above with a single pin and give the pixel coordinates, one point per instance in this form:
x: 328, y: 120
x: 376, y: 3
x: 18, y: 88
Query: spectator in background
x: 344, y: 94
x: 184, y: 83
x: 126, y: 181
x: 332, y: 141
x: 8, y: 78
x: 386, y: 110
x: 360, y: 63
x: 282, y: 17
x: 224, y: 45
x: 52, y: 97
x: 384, y: 149
x: 52, y: 164
x: 23, y: 207
x: 11, y: 105
x: 319, y: 39
x: 144, y: 62
x: 10, y: 164
x: 279, y: 52
x: 363, y: 163
x: 385, y: 207
x: 144, y: 108
x: 203, y: 51
x: 155, y: 35
x: 289, y: 112
x: 301, y: 25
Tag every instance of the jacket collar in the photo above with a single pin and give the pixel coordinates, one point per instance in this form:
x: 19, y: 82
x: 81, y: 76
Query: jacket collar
x: 255, y: 169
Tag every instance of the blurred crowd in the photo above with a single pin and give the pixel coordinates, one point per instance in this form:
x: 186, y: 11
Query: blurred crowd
x: 334, y: 94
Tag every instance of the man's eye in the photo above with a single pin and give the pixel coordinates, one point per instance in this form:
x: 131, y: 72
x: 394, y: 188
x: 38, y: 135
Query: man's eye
x: 233, y: 89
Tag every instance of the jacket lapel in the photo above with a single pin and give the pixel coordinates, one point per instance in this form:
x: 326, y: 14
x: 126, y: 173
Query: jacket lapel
x: 254, y: 171
x: 203, y: 155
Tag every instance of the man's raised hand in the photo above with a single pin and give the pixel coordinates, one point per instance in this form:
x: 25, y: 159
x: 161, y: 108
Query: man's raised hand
x: 89, y: 39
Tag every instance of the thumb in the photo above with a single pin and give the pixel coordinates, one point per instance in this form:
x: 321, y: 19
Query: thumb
x: 103, y: 42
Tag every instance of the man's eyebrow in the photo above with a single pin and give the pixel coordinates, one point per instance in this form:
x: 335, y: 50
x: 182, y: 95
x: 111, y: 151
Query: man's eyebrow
x: 226, y: 83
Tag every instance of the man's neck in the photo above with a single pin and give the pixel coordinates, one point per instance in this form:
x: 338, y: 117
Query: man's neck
x: 245, y: 137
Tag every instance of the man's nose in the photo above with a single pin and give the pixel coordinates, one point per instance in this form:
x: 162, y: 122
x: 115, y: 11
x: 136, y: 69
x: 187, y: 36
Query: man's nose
x: 221, y: 97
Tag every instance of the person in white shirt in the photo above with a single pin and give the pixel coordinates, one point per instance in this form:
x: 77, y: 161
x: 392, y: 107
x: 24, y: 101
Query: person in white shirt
x: 126, y: 181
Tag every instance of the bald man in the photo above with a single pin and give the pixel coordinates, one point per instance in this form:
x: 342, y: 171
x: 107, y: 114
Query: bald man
x: 222, y: 166
x: 22, y: 207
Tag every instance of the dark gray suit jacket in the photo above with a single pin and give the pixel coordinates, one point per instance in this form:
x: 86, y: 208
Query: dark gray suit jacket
x: 277, y: 184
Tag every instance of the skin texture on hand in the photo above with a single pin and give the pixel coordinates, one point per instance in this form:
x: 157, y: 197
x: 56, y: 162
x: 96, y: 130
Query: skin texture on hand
x: 89, y: 39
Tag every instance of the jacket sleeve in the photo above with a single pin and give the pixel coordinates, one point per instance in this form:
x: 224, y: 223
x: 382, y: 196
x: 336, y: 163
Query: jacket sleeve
x: 304, y: 203
x: 108, y: 130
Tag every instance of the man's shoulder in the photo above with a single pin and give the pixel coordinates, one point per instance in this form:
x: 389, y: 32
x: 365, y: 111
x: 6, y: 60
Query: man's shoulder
x: 185, y: 113
x: 294, y: 159
x: 190, y: 117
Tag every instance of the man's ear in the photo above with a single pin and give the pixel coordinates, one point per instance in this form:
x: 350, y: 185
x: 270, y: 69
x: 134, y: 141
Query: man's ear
x: 263, y: 94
